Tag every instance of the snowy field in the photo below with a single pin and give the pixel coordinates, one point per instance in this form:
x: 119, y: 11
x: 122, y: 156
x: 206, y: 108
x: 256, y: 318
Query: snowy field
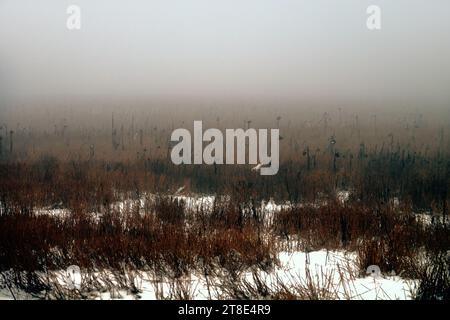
x: 325, y: 274
x: 332, y: 273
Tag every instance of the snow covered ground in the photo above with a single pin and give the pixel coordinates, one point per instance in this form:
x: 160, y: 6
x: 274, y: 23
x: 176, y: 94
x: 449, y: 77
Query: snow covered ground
x: 205, y: 203
x: 332, y: 273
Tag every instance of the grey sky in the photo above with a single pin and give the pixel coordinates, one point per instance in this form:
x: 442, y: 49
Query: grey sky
x: 315, y: 49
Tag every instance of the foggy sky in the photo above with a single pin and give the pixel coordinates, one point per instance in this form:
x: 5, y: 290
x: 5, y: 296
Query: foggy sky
x: 315, y: 49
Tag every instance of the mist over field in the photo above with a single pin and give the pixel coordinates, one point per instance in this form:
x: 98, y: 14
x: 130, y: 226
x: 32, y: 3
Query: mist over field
x: 355, y: 204
x: 288, y: 50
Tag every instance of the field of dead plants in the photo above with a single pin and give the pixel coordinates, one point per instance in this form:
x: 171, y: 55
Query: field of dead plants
x: 353, y: 191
